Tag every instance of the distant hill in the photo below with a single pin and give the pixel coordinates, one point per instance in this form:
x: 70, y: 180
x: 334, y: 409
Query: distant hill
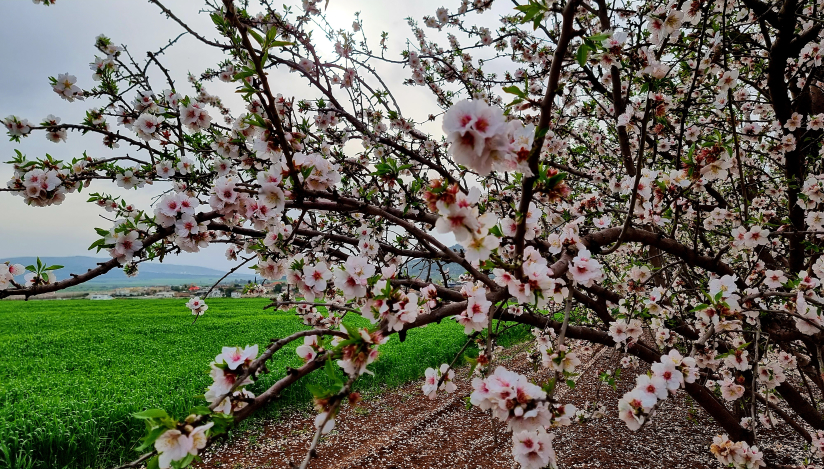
x: 149, y: 273
x: 417, y: 268
x: 157, y: 274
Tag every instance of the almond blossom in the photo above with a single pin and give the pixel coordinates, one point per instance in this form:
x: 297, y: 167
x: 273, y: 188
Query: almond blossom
x: 433, y: 376
x: 172, y: 445
x: 474, y: 130
x: 197, y: 306
x: 584, y: 269
x: 353, y: 277
x: 731, y: 390
x: 236, y: 356
x: 533, y: 449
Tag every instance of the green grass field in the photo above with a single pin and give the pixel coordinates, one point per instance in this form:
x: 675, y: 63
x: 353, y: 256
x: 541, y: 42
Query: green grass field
x: 72, y: 372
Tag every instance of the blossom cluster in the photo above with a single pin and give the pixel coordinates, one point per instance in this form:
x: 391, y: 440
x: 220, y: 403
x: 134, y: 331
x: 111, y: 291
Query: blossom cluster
x: 770, y: 372
x: 311, y: 280
x: 625, y: 333
x: 322, y: 173
x: 666, y: 377
x: 483, y: 141
x: 180, y: 443
x: 310, y: 348
x: 476, y: 315
x: 353, y: 277
x: 559, y: 359
x: 434, y: 376
x: 41, y: 187
x: 125, y: 239
x: 398, y: 308
x: 229, y: 375
x: 177, y: 444
x: 736, y: 454
x: 516, y: 401
x: 359, y: 351
x: 527, y: 412
x: 584, y: 269
x: 458, y: 214
x: 8, y: 272
x: 17, y: 127
x: 721, y: 314
x: 541, y: 285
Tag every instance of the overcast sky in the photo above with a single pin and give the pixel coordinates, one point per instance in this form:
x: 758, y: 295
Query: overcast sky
x: 44, y: 41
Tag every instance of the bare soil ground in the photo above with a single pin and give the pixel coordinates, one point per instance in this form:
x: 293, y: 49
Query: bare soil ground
x: 401, y: 429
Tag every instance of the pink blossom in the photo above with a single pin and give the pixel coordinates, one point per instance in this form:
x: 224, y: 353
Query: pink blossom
x: 584, y: 269
x: 236, y: 356
x: 471, y: 128
x: 533, y: 449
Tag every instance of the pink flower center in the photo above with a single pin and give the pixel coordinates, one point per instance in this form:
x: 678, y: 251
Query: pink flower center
x: 468, y: 139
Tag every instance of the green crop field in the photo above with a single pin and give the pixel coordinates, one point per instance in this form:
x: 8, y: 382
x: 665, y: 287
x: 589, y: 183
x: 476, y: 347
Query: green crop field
x: 72, y: 372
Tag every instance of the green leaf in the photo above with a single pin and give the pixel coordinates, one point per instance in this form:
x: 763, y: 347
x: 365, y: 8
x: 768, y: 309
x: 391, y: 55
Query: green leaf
x: 151, y: 414
x: 153, y: 463
x: 583, y: 54
x: 151, y: 437
x: 184, y: 462
x: 555, y: 180
x: 257, y: 36
x: 318, y: 391
x: 549, y: 387
x: 201, y: 410
x: 54, y: 267
x: 307, y: 171
x: 330, y: 370
x: 571, y: 383
x: 514, y: 90
x: 472, y: 364
x: 514, y: 102
x: 243, y: 74
x: 282, y: 44
x: 599, y: 38
x: 271, y: 35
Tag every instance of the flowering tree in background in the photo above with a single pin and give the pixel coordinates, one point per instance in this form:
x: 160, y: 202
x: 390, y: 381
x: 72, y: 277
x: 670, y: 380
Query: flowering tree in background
x: 643, y: 175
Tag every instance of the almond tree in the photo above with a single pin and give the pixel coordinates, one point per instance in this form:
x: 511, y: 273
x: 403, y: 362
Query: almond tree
x: 641, y: 175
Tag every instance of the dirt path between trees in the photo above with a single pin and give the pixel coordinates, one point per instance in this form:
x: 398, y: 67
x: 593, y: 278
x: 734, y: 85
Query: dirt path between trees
x: 401, y: 429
